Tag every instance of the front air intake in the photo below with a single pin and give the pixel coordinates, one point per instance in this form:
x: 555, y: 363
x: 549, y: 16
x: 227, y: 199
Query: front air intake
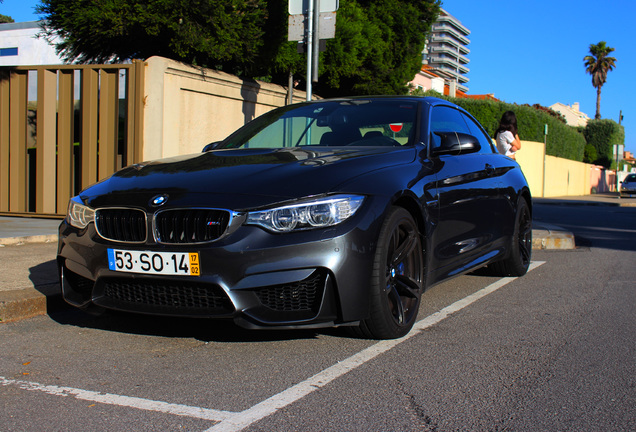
x: 190, y: 225
x: 121, y: 224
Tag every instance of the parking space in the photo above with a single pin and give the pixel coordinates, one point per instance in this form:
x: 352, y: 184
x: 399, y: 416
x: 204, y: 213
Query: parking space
x: 169, y: 374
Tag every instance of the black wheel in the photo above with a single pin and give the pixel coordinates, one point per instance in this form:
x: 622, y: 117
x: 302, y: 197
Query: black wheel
x: 397, y: 279
x: 521, y: 247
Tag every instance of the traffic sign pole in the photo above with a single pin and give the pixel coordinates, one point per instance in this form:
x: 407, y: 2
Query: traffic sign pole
x: 310, y: 47
x: 316, y: 42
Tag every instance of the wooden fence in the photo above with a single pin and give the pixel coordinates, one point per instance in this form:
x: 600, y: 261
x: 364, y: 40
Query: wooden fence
x: 63, y: 128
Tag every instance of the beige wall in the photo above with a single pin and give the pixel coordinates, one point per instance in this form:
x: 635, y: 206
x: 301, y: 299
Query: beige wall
x: 530, y: 158
x: 186, y: 107
x: 550, y: 176
x: 564, y: 177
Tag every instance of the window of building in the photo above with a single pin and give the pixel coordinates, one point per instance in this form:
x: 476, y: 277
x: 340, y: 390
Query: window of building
x: 5, y: 52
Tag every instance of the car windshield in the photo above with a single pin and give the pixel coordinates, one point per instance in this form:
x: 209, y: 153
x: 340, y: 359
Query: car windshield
x: 337, y: 123
x: 631, y: 178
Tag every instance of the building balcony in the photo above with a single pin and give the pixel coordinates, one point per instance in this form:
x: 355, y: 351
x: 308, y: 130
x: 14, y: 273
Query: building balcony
x: 453, y: 22
x: 453, y: 52
x: 452, y: 39
x: 437, y: 28
x: 449, y: 62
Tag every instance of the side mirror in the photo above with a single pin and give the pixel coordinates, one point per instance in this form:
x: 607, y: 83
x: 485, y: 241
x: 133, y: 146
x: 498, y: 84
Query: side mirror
x: 455, y: 143
x: 211, y: 146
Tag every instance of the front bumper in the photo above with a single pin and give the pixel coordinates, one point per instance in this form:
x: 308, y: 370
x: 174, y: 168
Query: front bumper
x: 259, y: 279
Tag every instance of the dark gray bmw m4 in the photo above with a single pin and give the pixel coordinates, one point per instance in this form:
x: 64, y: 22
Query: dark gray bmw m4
x: 328, y: 213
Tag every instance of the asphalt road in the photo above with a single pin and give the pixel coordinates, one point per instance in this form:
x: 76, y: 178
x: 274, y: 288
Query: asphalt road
x: 552, y: 351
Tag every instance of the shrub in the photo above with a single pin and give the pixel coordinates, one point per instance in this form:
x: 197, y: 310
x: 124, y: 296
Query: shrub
x: 602, y: 135
x: 562, y: 141
x: 590, y: 155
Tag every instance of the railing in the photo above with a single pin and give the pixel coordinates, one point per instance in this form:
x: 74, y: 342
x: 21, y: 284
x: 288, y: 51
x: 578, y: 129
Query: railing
x: 63, y: 128
x: 453, y: 22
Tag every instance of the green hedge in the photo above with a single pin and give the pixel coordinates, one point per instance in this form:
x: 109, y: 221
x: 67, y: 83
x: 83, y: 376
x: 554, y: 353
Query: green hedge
x: 562, y: 141
x: 602, y: 135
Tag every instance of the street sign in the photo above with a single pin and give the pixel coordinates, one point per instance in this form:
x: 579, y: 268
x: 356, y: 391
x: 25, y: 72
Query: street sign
x: 300, y: 7
x: 396, y: 127
x: 326, y: 26
x: 617, y: 151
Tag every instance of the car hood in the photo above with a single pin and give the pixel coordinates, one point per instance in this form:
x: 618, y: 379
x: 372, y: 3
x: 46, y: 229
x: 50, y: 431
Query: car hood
x: 243, y: 177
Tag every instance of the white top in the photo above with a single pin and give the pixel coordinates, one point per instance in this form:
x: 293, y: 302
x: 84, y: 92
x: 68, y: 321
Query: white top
x: 504, y: 143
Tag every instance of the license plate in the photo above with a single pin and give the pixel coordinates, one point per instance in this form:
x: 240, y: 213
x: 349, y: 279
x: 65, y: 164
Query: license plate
x: 159, y: 263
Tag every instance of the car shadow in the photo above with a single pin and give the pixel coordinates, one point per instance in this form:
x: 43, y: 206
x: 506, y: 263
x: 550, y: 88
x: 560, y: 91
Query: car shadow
x: 205, y: 330
x: 44, y: 279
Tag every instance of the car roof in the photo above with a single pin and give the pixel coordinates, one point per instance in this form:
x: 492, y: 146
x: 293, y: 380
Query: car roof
x: 430, y: 100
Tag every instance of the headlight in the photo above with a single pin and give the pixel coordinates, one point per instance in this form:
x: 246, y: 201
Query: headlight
x: 79, y: 215
x: 319, y: 213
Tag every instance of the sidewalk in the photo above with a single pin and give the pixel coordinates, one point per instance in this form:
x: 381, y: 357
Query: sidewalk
x: 607, y: 199
x: 29, y: 283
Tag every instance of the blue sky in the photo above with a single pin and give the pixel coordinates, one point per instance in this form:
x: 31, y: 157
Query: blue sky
x: 531, y: 51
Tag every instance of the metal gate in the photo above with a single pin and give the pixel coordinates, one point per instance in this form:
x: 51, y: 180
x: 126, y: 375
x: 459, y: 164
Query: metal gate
x: 63, y: 128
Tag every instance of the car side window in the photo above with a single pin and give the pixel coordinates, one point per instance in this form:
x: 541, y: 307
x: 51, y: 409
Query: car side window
x: 446, y: 119
x: 477, y: 131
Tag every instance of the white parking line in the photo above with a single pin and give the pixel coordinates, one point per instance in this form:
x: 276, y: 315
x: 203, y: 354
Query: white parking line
x: 292, y: 394
x: 124, y: 401
x: 236, y: 421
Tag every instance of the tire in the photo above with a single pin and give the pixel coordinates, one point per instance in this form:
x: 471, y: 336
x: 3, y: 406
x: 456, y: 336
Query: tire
x: 397, y: 279
x: 518, y: 261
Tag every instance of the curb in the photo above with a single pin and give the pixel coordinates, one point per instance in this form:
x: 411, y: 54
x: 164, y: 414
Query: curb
x: 551, y: 237
x: 15, y: 241
x: 617, y: 202
x: 560, y: 240
x: 30, y: 302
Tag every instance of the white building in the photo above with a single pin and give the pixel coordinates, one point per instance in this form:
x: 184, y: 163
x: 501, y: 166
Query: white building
x: 573, y: 117
x: 20, y: 46
x: 447, y: 48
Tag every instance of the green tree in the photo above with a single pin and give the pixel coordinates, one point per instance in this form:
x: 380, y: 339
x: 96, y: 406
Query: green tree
x: 598, y: 64
x: 5, y: 18
x: 603, y: 135
x: 376, y: 50
x: 224, y: 34
x: 378, y: 46
x: 590, y: 155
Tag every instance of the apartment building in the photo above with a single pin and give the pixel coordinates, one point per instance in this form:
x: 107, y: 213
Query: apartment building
x: 446, y: 50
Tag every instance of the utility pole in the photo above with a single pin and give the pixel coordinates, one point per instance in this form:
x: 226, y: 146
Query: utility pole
x: 311, y: 21
x: 310, y: 48
x: 315, y: 42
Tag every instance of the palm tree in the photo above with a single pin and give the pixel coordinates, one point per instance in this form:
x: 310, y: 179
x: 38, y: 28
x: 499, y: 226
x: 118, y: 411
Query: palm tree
x: 597, y: 65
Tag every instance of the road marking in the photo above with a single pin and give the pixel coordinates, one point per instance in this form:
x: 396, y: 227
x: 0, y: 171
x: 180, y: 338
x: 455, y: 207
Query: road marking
x: 124, y: 401
x: 287, y: 397
x: 236, y: 421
